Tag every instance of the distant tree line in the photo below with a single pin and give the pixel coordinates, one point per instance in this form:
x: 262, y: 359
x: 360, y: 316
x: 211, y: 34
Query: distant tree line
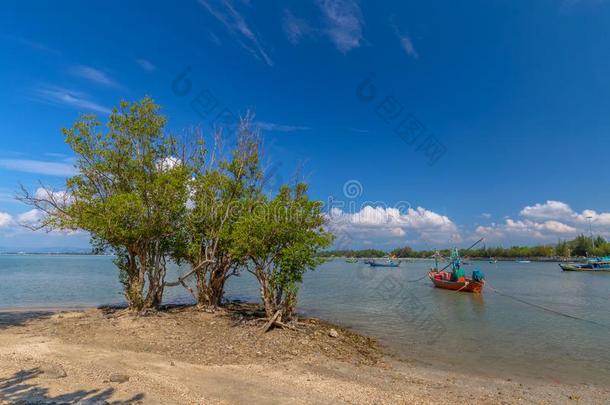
x: 581, y: 246
x: 151, y: 199
x: 354, y: 253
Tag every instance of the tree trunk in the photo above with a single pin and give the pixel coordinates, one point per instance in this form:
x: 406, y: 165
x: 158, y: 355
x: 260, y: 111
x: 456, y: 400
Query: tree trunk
x: 276, y: 298
x: 156, y: 281
x: 133, y: 293
x: 211, y: 284
x: 267, y: 294
x: 203, y: 291
x: 154, y: 296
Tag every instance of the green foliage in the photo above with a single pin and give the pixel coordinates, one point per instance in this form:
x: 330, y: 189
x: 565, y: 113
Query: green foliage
x: 129, y: 194
x: 281, y: 238
x: 147, y: 199
x: 219, y: 196
x: 580, y: 246
x: 405, y: 251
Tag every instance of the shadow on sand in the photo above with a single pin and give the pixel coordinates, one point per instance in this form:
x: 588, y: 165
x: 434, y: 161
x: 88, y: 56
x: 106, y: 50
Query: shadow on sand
x: 10, y: 319
x: 19, y: 389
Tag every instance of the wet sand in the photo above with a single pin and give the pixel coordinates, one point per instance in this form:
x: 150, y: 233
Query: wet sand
x: 185, y: 356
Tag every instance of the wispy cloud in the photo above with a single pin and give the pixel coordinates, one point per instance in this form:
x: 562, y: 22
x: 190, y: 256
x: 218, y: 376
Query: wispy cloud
x: 215, y: 39
x: 93, y: 75
x: 237, y: 26
x: 37, y: 46
x: 271, y: 126
x: 406, y: 43
x: 344, y: 23
x: 39, y: 167
x: 72, y: 98
x: 146, y: 65
x: 295, y: 28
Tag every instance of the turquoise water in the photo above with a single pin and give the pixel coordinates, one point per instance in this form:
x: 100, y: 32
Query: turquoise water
x: 489, y: 333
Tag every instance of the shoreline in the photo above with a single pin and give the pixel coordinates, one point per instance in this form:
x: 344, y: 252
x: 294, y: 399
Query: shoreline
x: 173, y: 356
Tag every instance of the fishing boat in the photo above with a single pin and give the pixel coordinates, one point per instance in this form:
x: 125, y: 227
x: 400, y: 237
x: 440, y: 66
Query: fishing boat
x: 387, y: 263
x: 455, y: 279
x: 351, y: 260
x: 594, y: 264
x: 442, y: 279
x: 523, y: 261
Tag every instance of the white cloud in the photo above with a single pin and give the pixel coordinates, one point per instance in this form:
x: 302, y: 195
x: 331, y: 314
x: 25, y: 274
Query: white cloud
x: 597, y: 219
x: 547, y: 222
x: 558, y: 227
x: 168, y: 163
x: 237, y: 26
x: 397, y: 232
x: 93, y: 75
x: 59, y: 196
x: 30, y: 217
x: 557, y: 210
x: 146, y: 65
x: 38, y: 167
x: 5, y: 219
x: 549, y: 210
x: 524, y: 229
x: 388, y: 224
x: 72, y: 98
x: 271, y: 126
x: 343, y: 20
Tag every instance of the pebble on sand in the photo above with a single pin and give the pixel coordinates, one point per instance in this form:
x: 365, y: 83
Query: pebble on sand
x: 119, y: 378
x: 53, y: 371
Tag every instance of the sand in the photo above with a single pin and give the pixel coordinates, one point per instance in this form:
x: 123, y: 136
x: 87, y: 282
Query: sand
x: 186, y: 356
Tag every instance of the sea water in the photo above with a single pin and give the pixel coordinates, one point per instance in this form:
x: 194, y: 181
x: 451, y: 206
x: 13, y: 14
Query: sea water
x: 531, y: 321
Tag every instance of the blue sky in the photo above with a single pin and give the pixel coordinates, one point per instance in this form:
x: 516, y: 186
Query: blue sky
x: 449, y: 120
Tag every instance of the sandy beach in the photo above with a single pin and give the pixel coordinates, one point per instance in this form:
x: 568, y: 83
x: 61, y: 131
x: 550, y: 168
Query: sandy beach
x: 186, y: 356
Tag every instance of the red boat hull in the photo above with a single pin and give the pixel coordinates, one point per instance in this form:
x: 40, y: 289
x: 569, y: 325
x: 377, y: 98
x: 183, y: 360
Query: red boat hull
x: 468, y: 286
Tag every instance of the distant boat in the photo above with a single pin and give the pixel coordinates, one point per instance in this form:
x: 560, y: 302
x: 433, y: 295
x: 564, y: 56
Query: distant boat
x: 493, y: 261
x: 351, y: 260
x: 594, y: 264
x: 387, y: 263
x: 523, y: 261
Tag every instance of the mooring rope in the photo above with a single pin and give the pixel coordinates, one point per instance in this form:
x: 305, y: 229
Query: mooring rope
x: 417, y: 279
x: 545, y: 308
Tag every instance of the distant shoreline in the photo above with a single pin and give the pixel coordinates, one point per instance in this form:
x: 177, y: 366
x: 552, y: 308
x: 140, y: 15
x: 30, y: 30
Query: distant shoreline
x: 473, y: 259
